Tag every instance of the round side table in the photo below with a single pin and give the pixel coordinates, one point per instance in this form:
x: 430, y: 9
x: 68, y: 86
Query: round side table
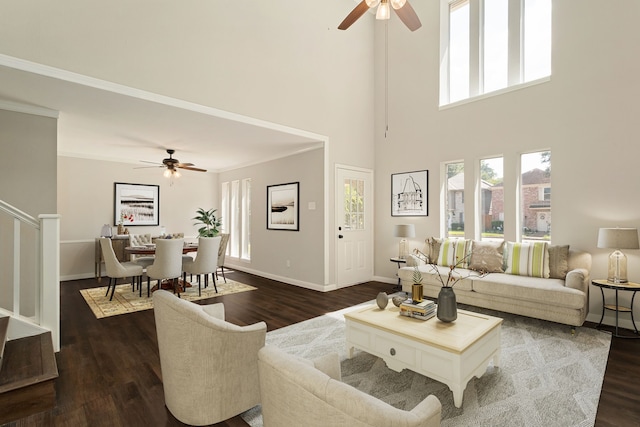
x: 629, y: 286
x: 398, y: 261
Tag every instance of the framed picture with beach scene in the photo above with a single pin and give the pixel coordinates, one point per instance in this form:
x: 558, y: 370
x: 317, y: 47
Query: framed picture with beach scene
x: 283, y: 206
x: 136, y: 204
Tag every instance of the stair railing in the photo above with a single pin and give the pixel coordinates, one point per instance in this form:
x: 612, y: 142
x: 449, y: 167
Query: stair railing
x: 41, y: 311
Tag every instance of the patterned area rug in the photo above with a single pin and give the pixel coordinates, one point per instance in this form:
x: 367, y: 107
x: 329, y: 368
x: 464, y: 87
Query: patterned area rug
x: 125, y: 300
x: 547, y: 376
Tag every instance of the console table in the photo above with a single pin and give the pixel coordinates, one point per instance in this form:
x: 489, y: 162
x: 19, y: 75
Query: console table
x: 119, y: 242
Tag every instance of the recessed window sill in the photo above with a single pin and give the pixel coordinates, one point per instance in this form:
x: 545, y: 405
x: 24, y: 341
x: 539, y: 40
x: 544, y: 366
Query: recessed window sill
x: 495, y: 93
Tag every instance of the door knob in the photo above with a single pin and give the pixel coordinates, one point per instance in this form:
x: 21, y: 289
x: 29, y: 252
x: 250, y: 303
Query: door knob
x: 340, y: 236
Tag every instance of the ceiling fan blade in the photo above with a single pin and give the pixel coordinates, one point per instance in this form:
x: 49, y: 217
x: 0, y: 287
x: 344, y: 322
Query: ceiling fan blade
x: 148, y: 167
x: 356, y: 13
x: 180, y: 165
x: 190, y: 168
x: 408, y: 16
x: 153, y: 163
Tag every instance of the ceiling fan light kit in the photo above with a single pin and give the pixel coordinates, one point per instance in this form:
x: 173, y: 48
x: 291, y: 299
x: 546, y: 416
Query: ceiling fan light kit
x: 402, y: 8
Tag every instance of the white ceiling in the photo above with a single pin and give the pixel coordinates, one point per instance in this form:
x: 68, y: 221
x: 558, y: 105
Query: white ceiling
x: 106, y: 121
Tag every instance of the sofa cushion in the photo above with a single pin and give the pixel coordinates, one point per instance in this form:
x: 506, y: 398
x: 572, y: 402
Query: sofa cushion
x: 486, y: 256
x: 534, y: 289
x: 527, y: 259
x: 558, y: 261
x: 454, y: 252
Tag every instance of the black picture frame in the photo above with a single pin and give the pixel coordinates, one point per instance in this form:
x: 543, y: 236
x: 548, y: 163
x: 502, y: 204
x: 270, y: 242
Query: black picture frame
x: 410, y: 193
x: 283, y: 206
x: 136, y: 204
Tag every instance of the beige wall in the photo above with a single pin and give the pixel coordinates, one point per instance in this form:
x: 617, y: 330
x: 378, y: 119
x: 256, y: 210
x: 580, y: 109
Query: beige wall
x: 28, y: 146
x: 85, y: 201
x: 587, y: 115
x: 281, y: 61
x: 271, y: 249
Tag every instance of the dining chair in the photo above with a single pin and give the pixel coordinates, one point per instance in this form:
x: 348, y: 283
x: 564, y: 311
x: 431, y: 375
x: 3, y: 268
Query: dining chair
x: 167, y: 264
x: 141, y: 240
x: 206, y: 262
x: 222, y: 252
x: 116, y: 269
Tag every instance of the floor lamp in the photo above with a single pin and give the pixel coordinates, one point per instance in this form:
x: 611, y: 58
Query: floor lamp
x: 403, y: 231
x: 618, y: 238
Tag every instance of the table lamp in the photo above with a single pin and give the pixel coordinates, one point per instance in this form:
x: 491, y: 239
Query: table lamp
x: 618, y: 238
x: 403, y: 231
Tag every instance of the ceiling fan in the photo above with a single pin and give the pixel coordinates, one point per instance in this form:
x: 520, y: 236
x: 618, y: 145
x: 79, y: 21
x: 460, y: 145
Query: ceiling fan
x: 402, y: 8
x: 172, y: 165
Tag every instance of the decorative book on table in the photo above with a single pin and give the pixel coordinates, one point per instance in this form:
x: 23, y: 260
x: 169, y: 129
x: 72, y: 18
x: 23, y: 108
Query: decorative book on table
x: 423, y: 310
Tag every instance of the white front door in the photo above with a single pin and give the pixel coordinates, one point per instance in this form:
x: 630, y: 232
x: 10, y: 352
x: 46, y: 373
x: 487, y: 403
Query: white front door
x: 354, y: 225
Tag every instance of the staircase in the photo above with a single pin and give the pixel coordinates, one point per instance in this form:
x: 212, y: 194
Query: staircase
x: 28, y: 372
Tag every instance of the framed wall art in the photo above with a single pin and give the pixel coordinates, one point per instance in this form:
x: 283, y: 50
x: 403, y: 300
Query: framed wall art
x: 410, y: 193
x: 136, y: 204
x: 283, y: 206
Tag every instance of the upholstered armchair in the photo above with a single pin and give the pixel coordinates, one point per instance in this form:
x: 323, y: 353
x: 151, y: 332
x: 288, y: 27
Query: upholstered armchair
x: 209, y: 366
x: 296, y: 392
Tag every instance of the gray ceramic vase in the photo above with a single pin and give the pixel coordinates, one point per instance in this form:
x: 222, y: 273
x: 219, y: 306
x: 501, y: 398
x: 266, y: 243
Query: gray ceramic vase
x: 382, y: 300
x: 447, y: 308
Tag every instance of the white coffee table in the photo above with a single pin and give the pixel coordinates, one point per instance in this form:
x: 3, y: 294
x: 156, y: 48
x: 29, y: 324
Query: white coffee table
x: 451, y: 353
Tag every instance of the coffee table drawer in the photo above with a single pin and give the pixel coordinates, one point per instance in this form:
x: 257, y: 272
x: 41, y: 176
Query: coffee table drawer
x: 391, y: 349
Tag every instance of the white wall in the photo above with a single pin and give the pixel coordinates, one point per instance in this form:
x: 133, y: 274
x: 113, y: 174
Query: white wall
x: 587, y: 115
x: 85, y: 202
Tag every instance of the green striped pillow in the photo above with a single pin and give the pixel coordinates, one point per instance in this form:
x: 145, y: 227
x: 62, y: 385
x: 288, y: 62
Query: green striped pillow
x: 452, y: 251
x: 527, y: 259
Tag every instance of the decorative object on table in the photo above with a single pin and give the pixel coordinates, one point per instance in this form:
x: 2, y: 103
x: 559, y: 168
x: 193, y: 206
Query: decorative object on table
x: 106, y: 231
x: 136, y: 204
x: 424, y: 310
x: 382, y: 300
x: 283, y: 207
x: 447, y: 305
x: 409, y: 194
x: 208, y: 221
x: 417, y: 290
x: 403, y: 231
x: 618, y: 238
x: 399, y: 299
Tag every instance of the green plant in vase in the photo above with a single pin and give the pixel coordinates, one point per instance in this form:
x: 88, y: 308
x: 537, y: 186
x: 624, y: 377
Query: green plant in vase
x: 209, y: 222
x: 417, y: 290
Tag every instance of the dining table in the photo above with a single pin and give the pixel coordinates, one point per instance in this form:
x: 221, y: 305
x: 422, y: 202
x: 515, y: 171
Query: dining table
x: 151, y: 250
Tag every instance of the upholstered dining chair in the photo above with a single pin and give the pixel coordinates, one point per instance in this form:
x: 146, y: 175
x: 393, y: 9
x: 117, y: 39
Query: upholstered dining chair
x: 206, y: 262
x: 167, y: 264
x: 222, y: 252
x: 116, y: 269
x: 223, y: 382
x: 141, y: 240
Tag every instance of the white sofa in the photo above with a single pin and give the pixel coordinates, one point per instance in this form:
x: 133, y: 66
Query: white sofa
x: 298, y: 392
x: 561, y: 298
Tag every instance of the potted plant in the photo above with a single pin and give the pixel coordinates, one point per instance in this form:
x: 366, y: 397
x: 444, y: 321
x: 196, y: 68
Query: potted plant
x: 416, y: 289
x: 208, y: 221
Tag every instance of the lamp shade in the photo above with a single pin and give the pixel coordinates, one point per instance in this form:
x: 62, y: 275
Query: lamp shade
x: 405, y: 230
x: 618, y: 238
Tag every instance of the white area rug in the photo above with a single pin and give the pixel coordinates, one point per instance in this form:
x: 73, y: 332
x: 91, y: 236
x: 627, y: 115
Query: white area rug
x: 547, y: 376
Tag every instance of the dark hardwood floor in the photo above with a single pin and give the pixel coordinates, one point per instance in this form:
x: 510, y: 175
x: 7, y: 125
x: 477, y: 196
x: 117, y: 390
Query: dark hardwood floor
x: 110, y: 370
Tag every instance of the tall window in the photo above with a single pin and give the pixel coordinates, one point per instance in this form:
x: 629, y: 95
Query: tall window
x: 487, y: 45
x: 454, y: 199
x: 491, y: 199
x: 535, y: 196
x: 236, y: 217
x: 246, y: 219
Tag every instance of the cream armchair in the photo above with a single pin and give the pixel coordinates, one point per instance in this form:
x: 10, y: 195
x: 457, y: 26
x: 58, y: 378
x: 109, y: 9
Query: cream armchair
x: 295, y: 392
x: 209, y: 366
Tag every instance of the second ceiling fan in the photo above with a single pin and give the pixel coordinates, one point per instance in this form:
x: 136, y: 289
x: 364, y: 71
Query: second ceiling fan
x: 402, y: 8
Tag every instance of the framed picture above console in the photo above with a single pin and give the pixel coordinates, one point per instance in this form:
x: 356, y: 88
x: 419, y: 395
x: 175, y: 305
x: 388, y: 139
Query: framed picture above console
x: 136, y: 204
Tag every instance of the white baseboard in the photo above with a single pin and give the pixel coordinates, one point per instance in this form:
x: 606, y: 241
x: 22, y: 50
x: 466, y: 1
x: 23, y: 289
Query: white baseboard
x: 287, y: 280
x: 624, y: 320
